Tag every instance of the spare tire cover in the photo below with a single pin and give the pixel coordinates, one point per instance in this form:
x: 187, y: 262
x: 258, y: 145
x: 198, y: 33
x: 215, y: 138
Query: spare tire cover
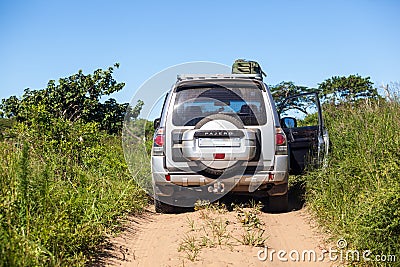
x: 212, y: 168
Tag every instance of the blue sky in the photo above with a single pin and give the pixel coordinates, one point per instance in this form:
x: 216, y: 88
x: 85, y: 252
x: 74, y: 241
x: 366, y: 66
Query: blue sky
x: 301, y: 41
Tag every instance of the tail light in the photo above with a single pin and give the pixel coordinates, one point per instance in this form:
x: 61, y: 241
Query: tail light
x: 158, y: 142
x: 280, y: 142
x: 280, y: 139
x: 219, y: 155
x: 270, y: 177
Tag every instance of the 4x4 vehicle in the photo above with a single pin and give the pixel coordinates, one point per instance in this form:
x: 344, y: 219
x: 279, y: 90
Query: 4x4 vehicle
x: 222, y: 133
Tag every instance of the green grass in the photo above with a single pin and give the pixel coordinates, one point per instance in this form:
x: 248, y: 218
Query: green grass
x: 358, y: 196
x: 59, y: 198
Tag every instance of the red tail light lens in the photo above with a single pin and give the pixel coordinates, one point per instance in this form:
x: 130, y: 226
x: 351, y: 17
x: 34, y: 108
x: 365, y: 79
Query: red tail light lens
x: 270, y: 177
x: 280, y: 142
x: 159, y: 140
x: 219, y: 155
x: 159, y: 137
x: 280, y: 139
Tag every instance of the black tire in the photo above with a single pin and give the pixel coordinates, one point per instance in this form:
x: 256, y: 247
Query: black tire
x: 278, y: 203
x: 162, y: 207
x: 212, y: 172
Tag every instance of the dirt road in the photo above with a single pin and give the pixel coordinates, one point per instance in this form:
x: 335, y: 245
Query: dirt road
x: 217, y: 237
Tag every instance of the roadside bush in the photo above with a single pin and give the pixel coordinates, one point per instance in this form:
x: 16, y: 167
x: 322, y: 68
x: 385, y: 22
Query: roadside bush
x: 63, y: 188
x: 358, y: 196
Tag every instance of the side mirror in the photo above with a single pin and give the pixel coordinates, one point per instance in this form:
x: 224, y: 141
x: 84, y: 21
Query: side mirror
x: 288, y: 122
x: 156, y: 123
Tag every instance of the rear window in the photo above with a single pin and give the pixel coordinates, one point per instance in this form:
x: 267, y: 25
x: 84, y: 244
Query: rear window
x: 195, y: 102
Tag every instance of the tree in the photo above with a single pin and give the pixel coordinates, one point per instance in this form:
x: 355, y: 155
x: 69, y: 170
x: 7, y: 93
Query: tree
x: 286, y: 89
x: 133, y: 112
x: 9, y: 107
x: 74, y: 98
x: 347, y: 89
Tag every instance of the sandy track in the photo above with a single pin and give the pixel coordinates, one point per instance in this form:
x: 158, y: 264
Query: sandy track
x: 154, y: 239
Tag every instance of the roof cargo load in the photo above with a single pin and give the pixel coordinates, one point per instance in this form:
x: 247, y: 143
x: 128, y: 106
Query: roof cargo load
x: 242, y: 66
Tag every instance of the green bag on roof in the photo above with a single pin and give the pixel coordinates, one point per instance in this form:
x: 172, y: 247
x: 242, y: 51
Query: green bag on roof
x: 242, y: 66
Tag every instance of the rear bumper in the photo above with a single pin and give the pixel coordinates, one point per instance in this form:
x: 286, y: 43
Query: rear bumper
x: 248, y: 184
x: 273, y: 181
x: 244, y: 180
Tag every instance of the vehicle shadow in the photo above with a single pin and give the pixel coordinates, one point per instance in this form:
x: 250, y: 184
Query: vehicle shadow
x: 296, y: 195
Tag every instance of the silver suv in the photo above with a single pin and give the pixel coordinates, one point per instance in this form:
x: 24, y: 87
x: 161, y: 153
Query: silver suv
x: 221, y: 134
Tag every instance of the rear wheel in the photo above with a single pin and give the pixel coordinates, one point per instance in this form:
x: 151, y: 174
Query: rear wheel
x: 278, y: 203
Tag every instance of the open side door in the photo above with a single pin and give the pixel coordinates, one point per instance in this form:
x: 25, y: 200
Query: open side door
x: 302, y: 122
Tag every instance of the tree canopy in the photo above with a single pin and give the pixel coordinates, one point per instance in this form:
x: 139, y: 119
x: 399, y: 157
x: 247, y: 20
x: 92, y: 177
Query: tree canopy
x: 286, y: 89
x: 74, y: 98
x: 340, y: 89
x: 336, y: 90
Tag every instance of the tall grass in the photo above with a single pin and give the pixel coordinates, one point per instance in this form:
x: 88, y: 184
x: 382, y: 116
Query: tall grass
x: 358, y: 196
x: 59, y: 197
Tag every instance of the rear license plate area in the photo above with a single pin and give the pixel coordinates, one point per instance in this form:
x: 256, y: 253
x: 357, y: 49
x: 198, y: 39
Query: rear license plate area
x: 219, y: 142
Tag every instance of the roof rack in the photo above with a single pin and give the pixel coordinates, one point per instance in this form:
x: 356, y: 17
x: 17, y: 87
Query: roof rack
x: 182, y: 77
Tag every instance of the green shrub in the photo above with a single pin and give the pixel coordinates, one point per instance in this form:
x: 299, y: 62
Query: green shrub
x: 63, y: 187
x: 358, y: 195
